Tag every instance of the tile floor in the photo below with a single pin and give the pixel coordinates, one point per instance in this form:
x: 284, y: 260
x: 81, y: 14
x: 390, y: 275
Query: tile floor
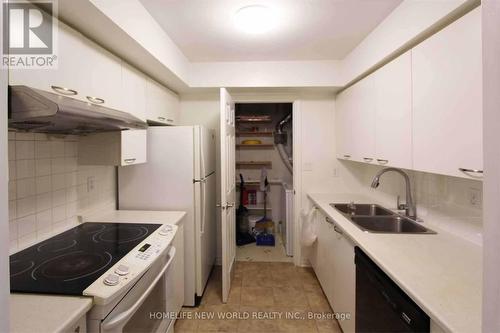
x: 263, y: 289
x: 252, y: 252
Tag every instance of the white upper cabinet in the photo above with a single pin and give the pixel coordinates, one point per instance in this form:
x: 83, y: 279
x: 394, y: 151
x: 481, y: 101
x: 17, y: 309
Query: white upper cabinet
x: 393, y: 142
x: 133, y: 91
x: 447, y: 99
x: 70, y: 78
x: 104, y: 72
x: 162, y: 105
x: 356, y: 122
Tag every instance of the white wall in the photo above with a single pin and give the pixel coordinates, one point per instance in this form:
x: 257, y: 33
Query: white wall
x: 4, y: 225
x: 491, y: 137
x: 48, y: 189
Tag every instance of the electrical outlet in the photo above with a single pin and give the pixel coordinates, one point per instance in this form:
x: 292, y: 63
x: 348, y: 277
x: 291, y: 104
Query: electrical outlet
x: 474, y: 197
x: 90, y: 184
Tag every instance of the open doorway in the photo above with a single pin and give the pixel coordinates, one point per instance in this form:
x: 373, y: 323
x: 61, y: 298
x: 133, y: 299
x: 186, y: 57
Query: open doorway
x: 264, y: 192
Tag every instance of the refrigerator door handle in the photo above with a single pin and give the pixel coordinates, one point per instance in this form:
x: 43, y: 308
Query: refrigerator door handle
x: 203, y: 205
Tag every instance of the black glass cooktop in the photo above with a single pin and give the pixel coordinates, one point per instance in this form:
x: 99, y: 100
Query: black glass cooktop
x: 71, y: 261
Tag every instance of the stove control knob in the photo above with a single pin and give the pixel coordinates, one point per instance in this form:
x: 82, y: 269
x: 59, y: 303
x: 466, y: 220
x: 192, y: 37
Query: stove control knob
x: 112, y: 280
x: 122, y: 270
x: 166, y: 230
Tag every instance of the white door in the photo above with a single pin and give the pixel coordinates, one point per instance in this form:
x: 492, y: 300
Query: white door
x: 228, y: 189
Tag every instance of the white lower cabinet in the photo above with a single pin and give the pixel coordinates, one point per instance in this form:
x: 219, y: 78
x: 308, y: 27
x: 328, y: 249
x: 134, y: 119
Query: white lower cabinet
x: 333, y: 261
x: 113, y: 148
x: 79, y: 327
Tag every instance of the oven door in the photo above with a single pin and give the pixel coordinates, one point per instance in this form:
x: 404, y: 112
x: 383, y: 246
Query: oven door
x: 148, y: 306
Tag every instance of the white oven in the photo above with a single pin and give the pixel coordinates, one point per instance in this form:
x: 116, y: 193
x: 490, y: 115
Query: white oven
x: 149, y: 305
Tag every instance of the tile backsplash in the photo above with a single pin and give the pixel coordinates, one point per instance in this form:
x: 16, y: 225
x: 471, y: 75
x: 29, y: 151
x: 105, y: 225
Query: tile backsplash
x: 48, y: 189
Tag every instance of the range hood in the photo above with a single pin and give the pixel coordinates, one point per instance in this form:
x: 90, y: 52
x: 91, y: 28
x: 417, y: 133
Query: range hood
x: 44, y: 112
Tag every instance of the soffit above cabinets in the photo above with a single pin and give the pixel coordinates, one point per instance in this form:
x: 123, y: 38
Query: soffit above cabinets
x: 303, y: 30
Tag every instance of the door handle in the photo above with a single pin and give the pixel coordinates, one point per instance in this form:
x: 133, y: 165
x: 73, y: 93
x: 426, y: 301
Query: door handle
x: 382, y: 161
x: 64, y: 91
x: 222, y: 206
x: 95, y: 100
x: 230, y: 205
x: 337, y: 230
x: 129, y: 160
x: 470, y: 170
x: 367, y: 159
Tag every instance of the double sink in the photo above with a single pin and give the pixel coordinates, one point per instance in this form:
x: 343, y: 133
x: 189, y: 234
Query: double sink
x: 376, y: 219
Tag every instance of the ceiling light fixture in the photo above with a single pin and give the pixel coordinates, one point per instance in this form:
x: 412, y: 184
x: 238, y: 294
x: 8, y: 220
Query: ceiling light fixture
x: 255, y: 19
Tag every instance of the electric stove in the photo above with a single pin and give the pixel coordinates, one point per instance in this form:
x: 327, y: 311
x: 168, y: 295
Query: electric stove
x: 71, y: 261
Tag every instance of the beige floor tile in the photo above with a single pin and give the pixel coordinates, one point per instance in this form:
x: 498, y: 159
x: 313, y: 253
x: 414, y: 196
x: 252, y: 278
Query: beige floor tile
x: 289, y: 296
x: 260, y: 320
x: 187, y: 324
x: 318, y: 302
x: 218, y: 320
x: 257, y: 296
x: 328, y: 326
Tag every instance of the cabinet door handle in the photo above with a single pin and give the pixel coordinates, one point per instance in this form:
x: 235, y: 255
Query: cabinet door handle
x: 64, y: 91
x: 470, y: 170
x: 367, y: 159
x: 129, y: 160
x: 347, y: 156
x: 170, y: 120
x: 328, y: 220
x: 337, y: 230
x: 95, y: 100
x: 161, y: 118
x: 382, y: 161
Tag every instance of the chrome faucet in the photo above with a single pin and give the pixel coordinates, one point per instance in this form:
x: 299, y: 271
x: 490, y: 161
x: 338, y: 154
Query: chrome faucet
x: 410, y: 207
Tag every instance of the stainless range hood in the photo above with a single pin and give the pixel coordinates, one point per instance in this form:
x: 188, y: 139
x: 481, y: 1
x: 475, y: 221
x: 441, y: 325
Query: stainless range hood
x: 40, y: 111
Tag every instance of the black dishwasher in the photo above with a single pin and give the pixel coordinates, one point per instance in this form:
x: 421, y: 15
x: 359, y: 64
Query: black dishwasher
x: 381, y: 306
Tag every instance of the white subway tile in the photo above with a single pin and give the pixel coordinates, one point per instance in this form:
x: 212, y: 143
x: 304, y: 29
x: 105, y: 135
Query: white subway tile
x: 71, y: 179
x: 25, y: 169
x: 13, y: 230
x: 12, y: 150
x: 25, y: 150
x: 58, y: 165
x: 42, y: 149
x: 43, y: 167
x: 26, y: 206
x: 26, y: 225
x: 12, y: 190
x: 12, y: 209
x: 71, y: 194
x: 26, y: 241
x: 57, y: 148
x: 43, y: 201
x: 70, y: 149
x: 25, y: 136
x: 12, y: 170
x: 58, y: 182
x: 44, y: 219
x: 26, y: 187
x: 43, y: 184
x: 58, y: 198
x: 59, y: 213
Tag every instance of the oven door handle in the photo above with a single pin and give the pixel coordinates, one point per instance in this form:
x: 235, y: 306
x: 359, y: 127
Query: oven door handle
x: 125, y: 315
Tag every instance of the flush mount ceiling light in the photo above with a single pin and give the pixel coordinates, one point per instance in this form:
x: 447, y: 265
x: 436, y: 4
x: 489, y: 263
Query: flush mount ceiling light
x: 255, y: 19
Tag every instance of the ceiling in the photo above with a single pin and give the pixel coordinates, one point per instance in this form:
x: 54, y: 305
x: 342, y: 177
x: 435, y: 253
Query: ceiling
x: 306, y: 29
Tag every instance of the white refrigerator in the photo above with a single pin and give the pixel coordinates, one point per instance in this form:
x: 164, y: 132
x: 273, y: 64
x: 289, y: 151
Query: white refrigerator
x: 179, y: 175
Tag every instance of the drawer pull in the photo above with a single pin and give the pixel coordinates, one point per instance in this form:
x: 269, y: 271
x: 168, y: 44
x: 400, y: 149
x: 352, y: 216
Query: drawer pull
x: 347, y: 156
x: 64, y: 91
x: 95, y: 100
x: 367, y: 159
x: 328, y: 220
x: 337, y: 230
x: 129, y: 160
x: 170, y: 120
x: 161, y: 118
x: 382, y: 161
x: 470, y: 170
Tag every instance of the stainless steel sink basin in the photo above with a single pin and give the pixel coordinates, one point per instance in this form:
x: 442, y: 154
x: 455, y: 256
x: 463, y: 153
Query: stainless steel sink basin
x: 362, y: 209
x: 390, y: 224
x: 377, y: 219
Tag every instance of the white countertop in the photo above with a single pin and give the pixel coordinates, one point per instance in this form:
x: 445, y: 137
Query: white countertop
x: 137, y: 216
x: 442, y: 273
x: 43, y: 313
